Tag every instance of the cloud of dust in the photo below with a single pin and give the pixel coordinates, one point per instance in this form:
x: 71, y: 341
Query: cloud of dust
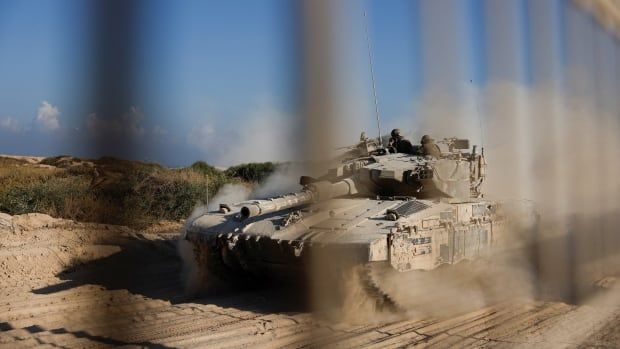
x: 190, y: 270
x: 265, y: 133
x: 457, y: 289
x: 230, y: 193
x: 446, y: 291
x: 283, y: 181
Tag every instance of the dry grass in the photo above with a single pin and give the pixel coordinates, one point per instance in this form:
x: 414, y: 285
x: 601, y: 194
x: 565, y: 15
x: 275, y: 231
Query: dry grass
x: 110, y: 190
x: 9, y: 161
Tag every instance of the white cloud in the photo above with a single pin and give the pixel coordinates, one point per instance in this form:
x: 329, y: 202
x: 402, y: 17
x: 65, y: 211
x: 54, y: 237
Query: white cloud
x: 47, y: 117
x: 10, y: 124
x: 129, y: 124
x: 266, y: 135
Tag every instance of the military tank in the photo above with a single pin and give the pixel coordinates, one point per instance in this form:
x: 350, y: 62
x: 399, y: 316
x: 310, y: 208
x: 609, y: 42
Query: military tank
x: 409, y: 211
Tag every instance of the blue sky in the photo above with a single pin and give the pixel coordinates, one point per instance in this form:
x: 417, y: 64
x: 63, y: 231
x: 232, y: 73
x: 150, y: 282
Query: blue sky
x: 205, y: 73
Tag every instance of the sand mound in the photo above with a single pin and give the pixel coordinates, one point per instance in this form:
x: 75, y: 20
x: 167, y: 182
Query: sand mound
x: 36, y: 246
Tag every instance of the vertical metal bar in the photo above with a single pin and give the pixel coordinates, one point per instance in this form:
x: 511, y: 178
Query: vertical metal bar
x: 372, y: 77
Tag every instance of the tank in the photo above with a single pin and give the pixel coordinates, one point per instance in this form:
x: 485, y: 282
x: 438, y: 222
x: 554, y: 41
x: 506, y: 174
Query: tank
x: 408, y: 211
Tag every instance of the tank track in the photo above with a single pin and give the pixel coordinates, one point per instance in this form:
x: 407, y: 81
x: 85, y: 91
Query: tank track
x: 214, y: 274
x: 373, y: 289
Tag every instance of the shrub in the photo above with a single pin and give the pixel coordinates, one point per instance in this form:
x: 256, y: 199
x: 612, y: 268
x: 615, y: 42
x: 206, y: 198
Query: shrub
x: 252, y: 172
x: 115, y: 191
x: 45, y: 195
x: 203, y: 167
x: 62, y: 161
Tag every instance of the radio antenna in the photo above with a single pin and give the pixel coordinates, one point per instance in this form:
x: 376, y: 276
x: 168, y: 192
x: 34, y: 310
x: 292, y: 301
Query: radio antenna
x: 479, y: 115
x: 372, y: 77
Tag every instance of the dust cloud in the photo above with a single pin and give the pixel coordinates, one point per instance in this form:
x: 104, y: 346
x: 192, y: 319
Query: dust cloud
x: 450, y: 290
x: 190, y: 270
x: 283, y: 181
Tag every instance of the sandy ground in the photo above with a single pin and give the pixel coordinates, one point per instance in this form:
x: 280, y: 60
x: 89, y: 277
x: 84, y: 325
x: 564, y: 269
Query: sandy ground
x: 77, y: 285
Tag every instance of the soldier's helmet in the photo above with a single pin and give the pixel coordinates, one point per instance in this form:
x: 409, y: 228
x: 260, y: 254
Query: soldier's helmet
x: 426, y: 139
x: 395, y: 133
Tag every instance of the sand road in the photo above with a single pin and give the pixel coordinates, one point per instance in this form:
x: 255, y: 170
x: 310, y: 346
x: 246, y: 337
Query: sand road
x: 76, y: 285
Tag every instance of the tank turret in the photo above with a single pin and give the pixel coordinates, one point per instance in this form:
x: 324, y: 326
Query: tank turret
x: 456, y: 173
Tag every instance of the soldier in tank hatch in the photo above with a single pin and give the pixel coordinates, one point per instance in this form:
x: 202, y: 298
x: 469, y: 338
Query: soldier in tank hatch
x: 429, y: 148
x: 399, y: 144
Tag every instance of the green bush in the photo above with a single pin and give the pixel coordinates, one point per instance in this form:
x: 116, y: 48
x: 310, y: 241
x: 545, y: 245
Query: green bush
x: 203, y: 167
x: 45, y: 196
x: 252, y: 172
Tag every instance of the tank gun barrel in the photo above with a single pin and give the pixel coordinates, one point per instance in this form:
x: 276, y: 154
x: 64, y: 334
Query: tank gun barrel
x: 313, y: 192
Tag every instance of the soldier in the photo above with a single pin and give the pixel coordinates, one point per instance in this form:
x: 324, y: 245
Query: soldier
x: 399, y: 144
x: 429, y: 147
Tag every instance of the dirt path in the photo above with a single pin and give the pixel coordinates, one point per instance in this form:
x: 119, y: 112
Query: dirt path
x: 65, y: 284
